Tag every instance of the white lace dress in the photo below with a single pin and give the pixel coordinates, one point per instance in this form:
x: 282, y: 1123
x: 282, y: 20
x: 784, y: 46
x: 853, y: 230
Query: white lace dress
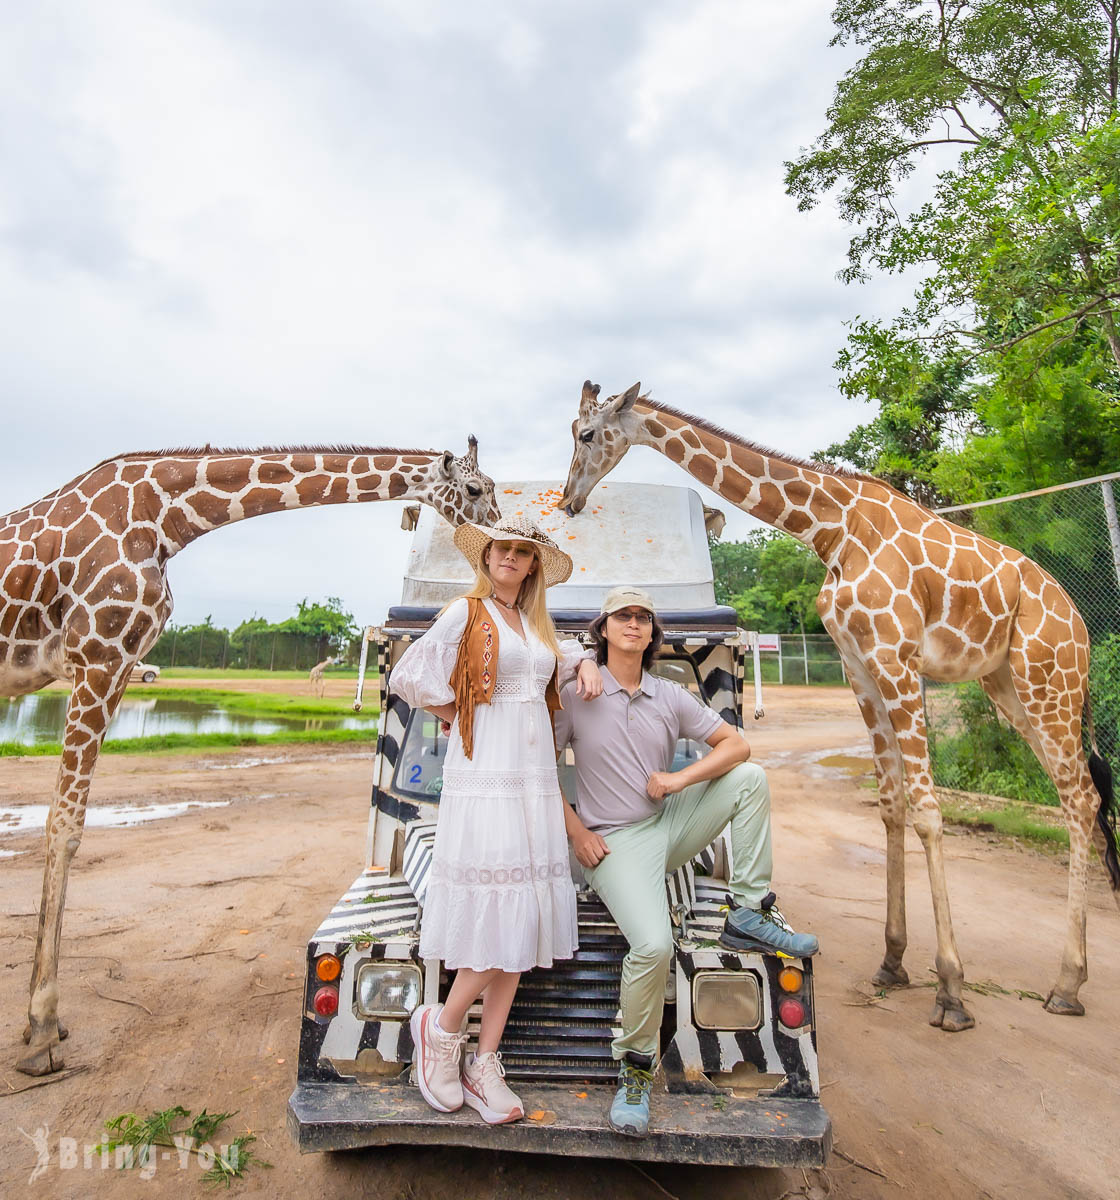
x: 500, y: 892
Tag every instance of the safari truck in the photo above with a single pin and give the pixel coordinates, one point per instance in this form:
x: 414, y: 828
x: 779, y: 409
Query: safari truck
x: 738, y: 1082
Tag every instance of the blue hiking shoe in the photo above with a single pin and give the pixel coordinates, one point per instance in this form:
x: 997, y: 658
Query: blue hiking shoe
x: 765, y: 929
x: 629, y: 1113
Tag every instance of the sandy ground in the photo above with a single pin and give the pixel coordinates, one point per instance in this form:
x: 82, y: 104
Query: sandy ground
x: 203, y: 919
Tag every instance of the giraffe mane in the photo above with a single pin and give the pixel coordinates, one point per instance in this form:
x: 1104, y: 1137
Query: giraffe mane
x: 219, y: 451
x: 818, y: 465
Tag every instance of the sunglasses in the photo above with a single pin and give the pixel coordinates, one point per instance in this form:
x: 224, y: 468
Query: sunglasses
x: 627, y: 615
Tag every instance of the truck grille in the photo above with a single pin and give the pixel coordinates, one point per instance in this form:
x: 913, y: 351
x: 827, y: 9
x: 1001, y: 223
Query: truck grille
x: 563, y: 1018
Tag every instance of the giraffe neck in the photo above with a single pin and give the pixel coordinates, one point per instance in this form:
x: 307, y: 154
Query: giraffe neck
x: 187, y: 496
x: 805, y: 503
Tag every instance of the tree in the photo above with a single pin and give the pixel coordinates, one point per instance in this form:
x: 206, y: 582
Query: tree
x: 327, y: 623
x: 771, y: 580
x: 924, y: 410
x: 1020, y: 240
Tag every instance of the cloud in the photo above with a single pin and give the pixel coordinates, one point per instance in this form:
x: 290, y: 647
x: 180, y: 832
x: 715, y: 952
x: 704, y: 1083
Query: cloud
x: 397, y: 223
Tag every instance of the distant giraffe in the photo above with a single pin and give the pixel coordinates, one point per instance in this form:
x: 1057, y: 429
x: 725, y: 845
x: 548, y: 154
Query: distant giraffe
x: 316, y: 679
x: 84, y: 594
x: 907, y: 594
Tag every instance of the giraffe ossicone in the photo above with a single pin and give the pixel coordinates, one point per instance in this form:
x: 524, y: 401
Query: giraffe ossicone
x: 906, y: 594
x: 84, y: 595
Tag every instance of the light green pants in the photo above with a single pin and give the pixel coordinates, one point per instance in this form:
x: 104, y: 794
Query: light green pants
x: 630, y: 880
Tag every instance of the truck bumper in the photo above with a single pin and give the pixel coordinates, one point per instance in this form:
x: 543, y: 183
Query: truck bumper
x: 706, y: 1129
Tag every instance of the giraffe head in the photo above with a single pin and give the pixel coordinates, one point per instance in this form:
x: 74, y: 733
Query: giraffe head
x: 602, y: 434
x: 457, y: 489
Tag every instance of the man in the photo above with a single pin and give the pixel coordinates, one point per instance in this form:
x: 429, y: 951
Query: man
x: 638, y: 820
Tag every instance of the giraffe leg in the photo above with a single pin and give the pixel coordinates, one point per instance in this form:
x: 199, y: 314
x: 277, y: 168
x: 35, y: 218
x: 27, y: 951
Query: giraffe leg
x: 1052, y: 726
x: 892, y: 810
x: 92, y: 701
x: 1001, y: 689
x: 908, y: 721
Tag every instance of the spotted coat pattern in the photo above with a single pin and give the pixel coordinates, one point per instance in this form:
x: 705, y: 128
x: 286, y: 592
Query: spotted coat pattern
x: 907, y: 594
x: 84, y: 594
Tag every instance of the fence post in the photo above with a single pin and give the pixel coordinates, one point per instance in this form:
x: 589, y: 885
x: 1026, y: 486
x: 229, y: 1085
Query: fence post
x: 1113, y: 525
x: 174, y: 643
x: 781, y: 672
x: 804, y: 649
x: 272, y: 660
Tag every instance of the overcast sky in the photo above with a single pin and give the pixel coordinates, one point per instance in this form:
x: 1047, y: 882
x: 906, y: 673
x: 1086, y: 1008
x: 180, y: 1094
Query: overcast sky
x: 396, y: 223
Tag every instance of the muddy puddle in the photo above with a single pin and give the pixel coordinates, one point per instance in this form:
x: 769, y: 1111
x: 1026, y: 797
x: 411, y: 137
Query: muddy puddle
x: 33, y: 817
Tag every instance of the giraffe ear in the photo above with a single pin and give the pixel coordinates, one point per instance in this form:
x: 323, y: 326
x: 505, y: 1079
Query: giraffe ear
x: 625, y: 402
x: 446, y: 464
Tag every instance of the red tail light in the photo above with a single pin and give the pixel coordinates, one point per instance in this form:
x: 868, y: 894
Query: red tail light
x: 791, y: 1013
x: 326, y: 1001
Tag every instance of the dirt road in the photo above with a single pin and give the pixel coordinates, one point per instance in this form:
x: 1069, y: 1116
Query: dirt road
x: 202, y: 920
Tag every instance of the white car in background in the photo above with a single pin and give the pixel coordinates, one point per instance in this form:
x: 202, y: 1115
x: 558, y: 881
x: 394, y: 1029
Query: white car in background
x: 144, y: 673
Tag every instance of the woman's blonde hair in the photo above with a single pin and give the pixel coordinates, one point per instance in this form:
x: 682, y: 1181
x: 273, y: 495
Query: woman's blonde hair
x: 531, y: 597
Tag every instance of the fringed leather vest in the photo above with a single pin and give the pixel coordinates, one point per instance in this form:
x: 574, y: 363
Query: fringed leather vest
x: 476, y: 670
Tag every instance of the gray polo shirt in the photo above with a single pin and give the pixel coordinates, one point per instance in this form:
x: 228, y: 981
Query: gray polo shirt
x: 620, y: 740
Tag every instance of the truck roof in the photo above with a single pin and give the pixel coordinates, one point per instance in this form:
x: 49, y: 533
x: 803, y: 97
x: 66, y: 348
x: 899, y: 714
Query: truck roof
x: 648, y: 535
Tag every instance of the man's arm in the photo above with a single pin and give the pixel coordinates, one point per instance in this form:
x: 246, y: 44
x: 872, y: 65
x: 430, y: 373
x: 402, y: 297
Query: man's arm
x: 590, y: 847
x: 729, y: 748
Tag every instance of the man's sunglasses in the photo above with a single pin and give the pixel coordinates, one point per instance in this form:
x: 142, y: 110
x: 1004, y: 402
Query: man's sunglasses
x: 633, y: 614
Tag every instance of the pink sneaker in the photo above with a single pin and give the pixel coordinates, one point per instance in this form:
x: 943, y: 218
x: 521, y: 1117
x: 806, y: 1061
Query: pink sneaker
x: 484, y: 1090
x: 438, y: 1059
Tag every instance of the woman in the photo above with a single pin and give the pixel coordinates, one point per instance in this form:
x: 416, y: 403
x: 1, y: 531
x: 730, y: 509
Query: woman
x: 500, y: 898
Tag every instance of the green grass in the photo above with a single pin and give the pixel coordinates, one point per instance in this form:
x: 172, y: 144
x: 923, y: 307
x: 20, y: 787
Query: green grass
x: 260, y: 704
x: 1013, y: 821
x: 197, y: 741
x: 261, y: 673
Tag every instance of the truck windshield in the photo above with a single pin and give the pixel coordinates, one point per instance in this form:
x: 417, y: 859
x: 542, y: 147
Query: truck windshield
x: 419, y: 771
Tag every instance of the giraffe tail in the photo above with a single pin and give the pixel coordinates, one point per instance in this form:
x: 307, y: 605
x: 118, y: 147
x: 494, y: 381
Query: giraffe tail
x: 1101, y: 774
x: 1106, y: 815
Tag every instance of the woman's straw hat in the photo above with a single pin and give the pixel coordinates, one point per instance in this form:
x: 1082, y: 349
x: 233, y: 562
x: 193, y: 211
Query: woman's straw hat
x: 472, y: 540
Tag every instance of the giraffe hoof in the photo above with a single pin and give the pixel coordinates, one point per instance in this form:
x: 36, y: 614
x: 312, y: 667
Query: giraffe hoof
x: 44, y: 1061
x: 1063, y: 1008
x: 951, y: 1016
x: 888, y: 976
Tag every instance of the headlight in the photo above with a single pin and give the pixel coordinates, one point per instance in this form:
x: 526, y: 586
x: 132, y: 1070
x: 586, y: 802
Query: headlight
x: 726, y: 1000
x: 387, y: 989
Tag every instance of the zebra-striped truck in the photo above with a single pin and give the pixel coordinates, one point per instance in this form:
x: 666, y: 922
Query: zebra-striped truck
x: 739, y: 1082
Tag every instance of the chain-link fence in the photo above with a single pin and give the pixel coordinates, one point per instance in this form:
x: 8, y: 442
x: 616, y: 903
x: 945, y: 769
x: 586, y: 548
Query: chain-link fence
x: 267, y: 650
x: 810, y: 658
x: 1072, y: 530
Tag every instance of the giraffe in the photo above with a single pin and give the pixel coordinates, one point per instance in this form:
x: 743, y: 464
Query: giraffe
x: 906, y: 594
x: 84, y: 594
x: 315, y: 677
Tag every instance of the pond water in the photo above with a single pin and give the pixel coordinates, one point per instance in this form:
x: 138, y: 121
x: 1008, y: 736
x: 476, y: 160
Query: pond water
x: 33, y: 720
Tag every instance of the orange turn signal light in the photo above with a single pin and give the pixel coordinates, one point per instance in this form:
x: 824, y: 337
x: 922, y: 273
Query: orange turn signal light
x: 790, y: 979
x: 327, y: 967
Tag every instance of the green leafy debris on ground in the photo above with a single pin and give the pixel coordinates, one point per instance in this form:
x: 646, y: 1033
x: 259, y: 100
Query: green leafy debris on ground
x: 989, y: 987
x: 177, y: 1130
